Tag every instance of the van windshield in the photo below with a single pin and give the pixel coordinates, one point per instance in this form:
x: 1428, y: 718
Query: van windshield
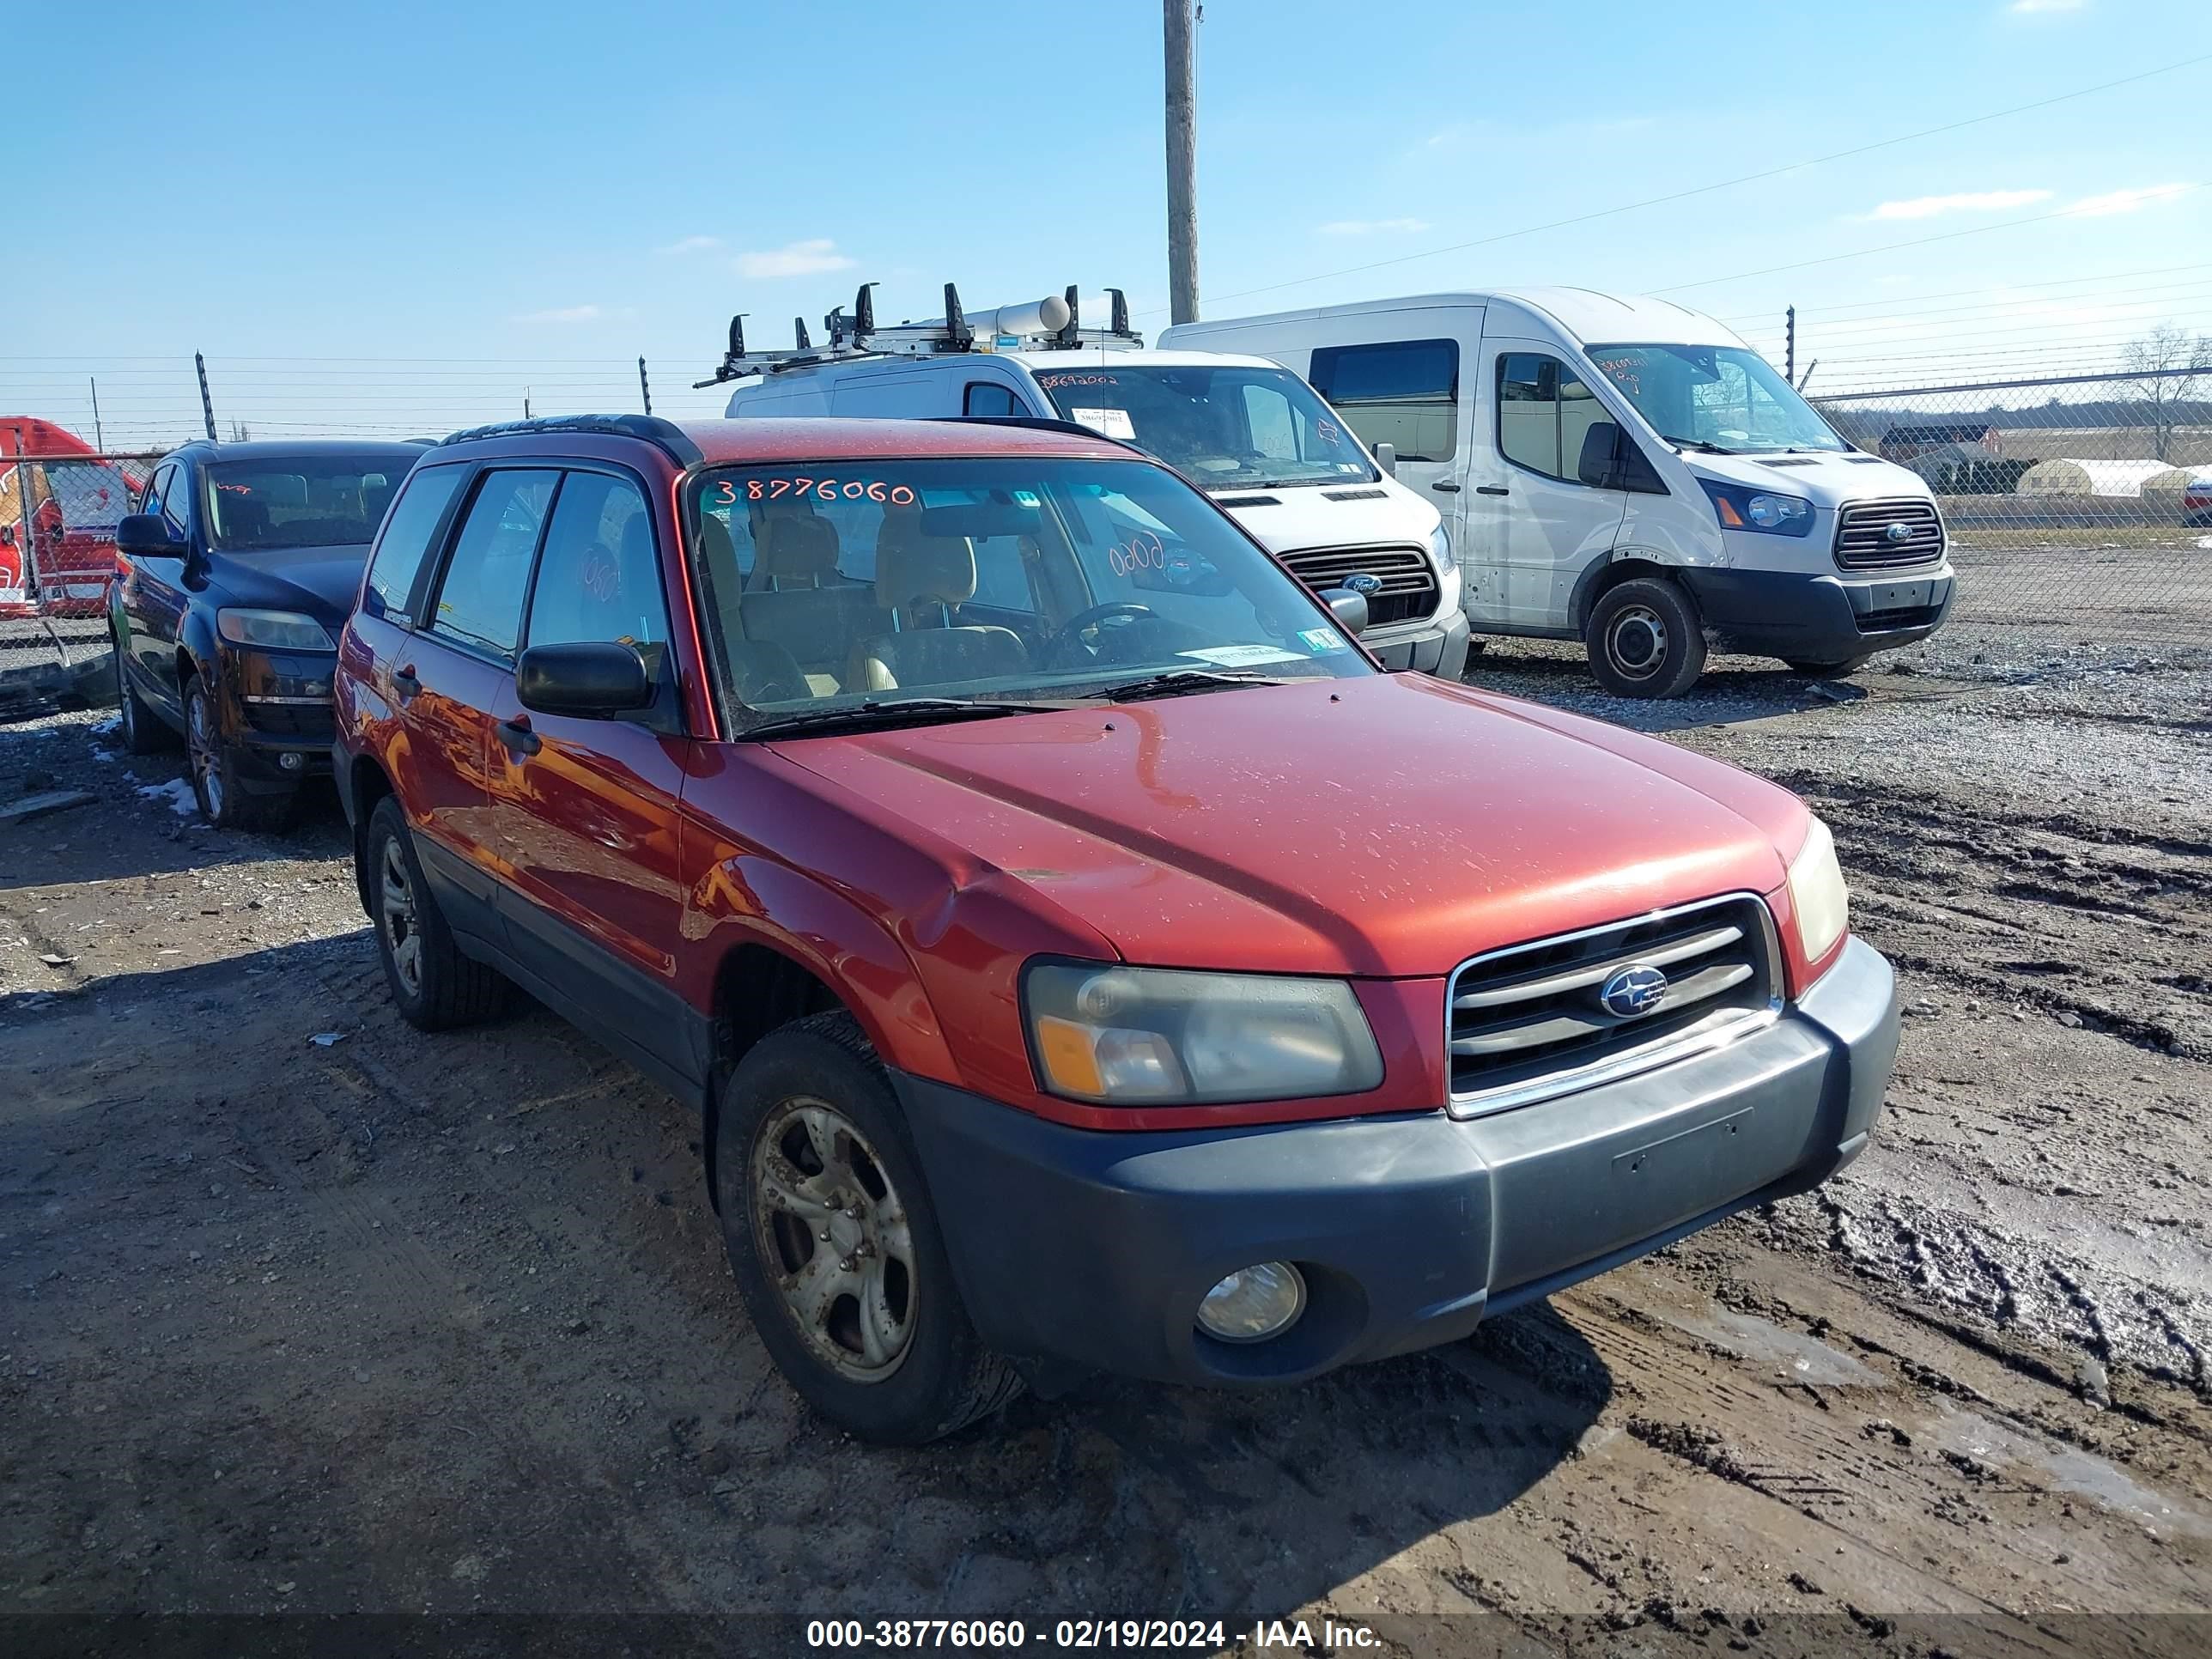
x: 1728, y: 397
x: 846, y: 587
x: 1225, y: 427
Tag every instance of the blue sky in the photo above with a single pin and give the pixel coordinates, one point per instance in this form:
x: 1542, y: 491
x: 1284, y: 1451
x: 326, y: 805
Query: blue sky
x: 465, y: 199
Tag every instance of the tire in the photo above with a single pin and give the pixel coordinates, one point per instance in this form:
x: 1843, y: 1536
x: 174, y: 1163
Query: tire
x: 1645, y: 639
x: 813, y: 1093
x: 1829, y: 671
x: 437, y: 986
x: 143, y: 732
x: 226, y: 801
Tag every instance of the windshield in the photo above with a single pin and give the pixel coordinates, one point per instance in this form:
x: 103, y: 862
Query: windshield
x: 1225, y: 427
x: 1729, y: 397
x: 828, y: 588
x: 334, y: 500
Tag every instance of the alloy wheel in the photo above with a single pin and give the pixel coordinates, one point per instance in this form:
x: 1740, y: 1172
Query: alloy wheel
x: 395, y: 918
x: 834, y: 1239
x: 205, y: 748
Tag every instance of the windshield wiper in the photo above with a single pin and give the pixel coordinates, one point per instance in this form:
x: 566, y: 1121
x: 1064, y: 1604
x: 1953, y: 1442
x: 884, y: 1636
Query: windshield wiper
x: 877, y: 712
x: 1698, y: 444
x: 1174, y: 682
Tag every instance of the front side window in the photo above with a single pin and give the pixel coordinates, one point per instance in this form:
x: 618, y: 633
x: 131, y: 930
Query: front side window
x: 986, y: 579
x: 1404, y: 392
x: 1545, y: 411
x: 1201, y: 421
x: 1726, y: 397
x: 989, y: 397
x: 480, y: 599
x: 151, y: 501
x: 599, y: 577
x: 406, y: 540
x: 316, y: 501
x: 176, y: 499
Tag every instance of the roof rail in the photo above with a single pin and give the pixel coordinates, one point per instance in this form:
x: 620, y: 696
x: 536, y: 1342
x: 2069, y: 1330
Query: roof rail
x: 1047, y: 324
x: 665, y: 434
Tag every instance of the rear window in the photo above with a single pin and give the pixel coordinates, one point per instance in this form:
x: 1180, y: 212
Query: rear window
x: 324, y: 501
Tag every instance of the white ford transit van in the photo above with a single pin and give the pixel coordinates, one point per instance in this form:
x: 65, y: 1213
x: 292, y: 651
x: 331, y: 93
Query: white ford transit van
x: 1627, y: 473
x: 1252, y: 436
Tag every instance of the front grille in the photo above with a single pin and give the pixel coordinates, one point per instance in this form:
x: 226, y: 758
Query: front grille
x: 1864, y: 541
x: 1409, y: 580
x: 1528, y: 1022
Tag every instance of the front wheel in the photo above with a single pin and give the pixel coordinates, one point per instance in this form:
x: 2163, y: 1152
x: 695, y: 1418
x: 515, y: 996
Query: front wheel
x: 836, y: 1249
x: 1828, y: 671
x: 225, y: 801
x: 1645, y: 640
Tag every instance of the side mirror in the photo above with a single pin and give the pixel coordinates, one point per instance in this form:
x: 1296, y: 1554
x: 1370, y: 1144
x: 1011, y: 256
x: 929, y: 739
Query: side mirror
x: 1385, y: 457
x: 591, y: 681
x: 1350, y: 609
x: 146, y: 536
x: 1611, y: 459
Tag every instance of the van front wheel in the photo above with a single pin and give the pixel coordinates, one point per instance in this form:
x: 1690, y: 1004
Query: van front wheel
x: 1645, y: 640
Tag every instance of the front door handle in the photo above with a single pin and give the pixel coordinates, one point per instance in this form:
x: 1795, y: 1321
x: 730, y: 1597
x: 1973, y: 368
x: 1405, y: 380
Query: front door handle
x: 405, y: 682
x: 1491, y: 489
x: 1445, y: 486
x: 517, y: 737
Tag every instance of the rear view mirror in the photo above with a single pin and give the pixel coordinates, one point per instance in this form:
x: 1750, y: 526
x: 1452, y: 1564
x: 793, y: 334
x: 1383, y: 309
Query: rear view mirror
x: 1385, y: 457
x: 145, y: 536
x: 592, y: 682
x: 1350, y: 609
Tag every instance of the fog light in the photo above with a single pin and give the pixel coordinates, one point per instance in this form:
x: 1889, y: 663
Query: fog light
x: 1254, y: 1304
x: 291, y: 760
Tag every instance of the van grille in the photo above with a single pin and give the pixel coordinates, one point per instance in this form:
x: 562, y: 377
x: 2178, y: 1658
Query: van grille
x: 1528, y: 1022
x: 1409, y: 580
x: 1863, y: 542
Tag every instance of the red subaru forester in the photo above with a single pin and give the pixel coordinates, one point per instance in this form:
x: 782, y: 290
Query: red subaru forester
x: 1082, y: 955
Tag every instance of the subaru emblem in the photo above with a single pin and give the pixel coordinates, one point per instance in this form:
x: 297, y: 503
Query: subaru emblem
x: 1634, y: 992
x: 1897, y: 532
x: 1364, y: 583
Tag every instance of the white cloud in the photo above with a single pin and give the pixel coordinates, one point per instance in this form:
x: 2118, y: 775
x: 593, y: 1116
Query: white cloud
x: 1971, y: 201
x: 564, y: 314
x: 2127, y: 201
x: 2026, y: 8
x: 793, y: 259
x: 691, y: 244
x: 1373, y: 227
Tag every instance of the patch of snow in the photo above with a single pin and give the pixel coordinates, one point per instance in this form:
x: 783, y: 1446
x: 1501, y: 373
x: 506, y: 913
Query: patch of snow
x: 2204, y: 542
x: 178, y: 792
x: 99, y: 754
x: 102, y: 728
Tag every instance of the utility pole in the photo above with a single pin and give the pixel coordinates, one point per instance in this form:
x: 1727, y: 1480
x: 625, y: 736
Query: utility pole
x: 1182, y: 161
x: 97, y: 440
x: 1790, y: 345
x: 207, y: 403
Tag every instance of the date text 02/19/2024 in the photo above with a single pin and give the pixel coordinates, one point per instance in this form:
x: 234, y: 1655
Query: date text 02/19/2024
x: 1006, y: 1635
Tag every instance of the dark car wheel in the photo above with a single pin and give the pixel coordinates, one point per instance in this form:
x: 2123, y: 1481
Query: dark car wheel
x: 436, y: 985
x: 1829, y: 671
x: 1645, y: 640
x: 226, y: 801
x: 143, y: 731
x: 836, y: 1249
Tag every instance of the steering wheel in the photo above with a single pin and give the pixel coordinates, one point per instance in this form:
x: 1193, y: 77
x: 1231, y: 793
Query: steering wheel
x: 1070, y: 633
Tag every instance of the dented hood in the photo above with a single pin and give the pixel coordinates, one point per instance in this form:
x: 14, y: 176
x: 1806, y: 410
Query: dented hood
x: 1388, y: 826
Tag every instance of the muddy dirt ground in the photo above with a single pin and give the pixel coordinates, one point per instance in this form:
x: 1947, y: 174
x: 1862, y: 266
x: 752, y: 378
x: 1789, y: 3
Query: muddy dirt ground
x: 396, y: 1324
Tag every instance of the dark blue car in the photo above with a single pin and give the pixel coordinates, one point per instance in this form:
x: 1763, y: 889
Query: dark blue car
x: 240, y: 566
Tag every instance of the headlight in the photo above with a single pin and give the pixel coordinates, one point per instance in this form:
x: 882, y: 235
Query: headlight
x: 1160, y: 1036
x: 274, y: 631
x: 1440, y: 547
x: 1739, y: 508
x: 1817, y: 894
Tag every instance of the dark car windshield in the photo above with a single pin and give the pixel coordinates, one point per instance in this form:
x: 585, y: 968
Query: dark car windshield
x: 836, y: 586
x: 1228, y: 427
x: 333, y: 500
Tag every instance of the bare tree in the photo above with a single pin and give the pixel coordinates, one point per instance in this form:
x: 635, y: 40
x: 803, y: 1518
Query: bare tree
x: 2163, y: 369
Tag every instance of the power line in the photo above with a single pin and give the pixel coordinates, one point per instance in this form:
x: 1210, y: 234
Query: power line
x: 1959, y: 293
x: 1703, y: 190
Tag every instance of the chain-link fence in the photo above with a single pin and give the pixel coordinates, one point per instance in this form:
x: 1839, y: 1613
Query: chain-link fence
x: 2080, y: 509
x: 60, y: 502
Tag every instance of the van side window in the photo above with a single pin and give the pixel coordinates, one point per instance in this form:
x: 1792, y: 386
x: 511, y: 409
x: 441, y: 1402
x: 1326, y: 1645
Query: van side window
x: 989, y: 397
x: 1544, y: 408
x: 480, y: 600
x: 1404, y: 392
x: 406, y: 541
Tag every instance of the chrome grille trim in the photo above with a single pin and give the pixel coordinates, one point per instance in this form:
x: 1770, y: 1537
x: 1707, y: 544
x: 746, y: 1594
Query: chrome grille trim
x: 1861, y: 535
x: 1473, y: 1035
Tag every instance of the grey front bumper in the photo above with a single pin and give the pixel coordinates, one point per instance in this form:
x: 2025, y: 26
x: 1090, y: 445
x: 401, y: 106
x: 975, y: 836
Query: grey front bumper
x: 1095, y: 1248
x: 1439, y: 648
